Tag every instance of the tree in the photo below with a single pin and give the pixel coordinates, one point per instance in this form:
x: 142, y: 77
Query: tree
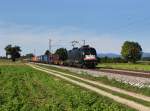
x: 131, y: 51
x: 62, y: 53
x: 14, y: 52
x: 47, y: 52
x: 8, y: 50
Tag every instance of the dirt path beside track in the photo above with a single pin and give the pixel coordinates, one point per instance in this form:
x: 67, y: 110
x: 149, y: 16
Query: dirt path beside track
x: 121, y: 100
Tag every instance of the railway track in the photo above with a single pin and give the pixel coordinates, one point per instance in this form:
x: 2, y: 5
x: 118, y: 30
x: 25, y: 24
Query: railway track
x: 126, y: 72
x: 130, y: 77
x: 143, y: 74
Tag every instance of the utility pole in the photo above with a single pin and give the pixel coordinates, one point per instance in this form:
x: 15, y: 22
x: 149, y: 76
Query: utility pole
x: 83, y: 42
x: 50, y: 45
x: 34, y: 52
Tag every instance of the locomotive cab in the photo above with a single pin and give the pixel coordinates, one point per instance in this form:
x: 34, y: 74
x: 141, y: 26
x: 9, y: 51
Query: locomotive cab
x: 89, y: 56
x: 82, y: 57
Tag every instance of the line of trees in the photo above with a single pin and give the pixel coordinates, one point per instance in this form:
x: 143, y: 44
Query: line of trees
x: 131, y: 52
x: 111, y: 60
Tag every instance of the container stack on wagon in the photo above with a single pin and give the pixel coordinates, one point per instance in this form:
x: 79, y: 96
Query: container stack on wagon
x: 50, y: 59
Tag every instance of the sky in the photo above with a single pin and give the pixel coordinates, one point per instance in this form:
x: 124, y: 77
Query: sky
x: 103, y: 24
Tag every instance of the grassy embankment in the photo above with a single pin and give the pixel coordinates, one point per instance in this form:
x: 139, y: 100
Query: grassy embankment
x: 23, y: 88
x: 105, y: 80
x: 138, y: 66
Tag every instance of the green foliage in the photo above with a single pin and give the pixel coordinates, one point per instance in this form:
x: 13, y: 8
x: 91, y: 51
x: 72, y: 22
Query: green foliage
x: 146, y: 58
x: 131, y: 51
x: 8, y: 50
x: 62, y: 52
x: 14, y: 52
x: 47, y: 52
x: 23, y: 88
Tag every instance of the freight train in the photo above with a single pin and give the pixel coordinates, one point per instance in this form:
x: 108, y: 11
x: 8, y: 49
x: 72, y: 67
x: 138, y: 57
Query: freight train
x: 84, y: 57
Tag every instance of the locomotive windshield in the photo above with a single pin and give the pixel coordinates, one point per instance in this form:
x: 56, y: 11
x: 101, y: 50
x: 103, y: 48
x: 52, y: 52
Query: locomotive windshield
x: 89, y: 51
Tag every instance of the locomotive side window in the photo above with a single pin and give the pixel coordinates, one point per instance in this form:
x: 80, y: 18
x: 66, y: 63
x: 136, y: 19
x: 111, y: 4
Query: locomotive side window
x: 93, y: 51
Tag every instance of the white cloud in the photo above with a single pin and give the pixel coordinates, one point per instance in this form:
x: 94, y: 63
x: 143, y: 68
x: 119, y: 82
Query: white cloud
x: 32, y: 37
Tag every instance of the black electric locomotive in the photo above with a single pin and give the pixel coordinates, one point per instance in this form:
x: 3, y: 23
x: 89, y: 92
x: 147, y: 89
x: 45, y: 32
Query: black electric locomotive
x: 84, y: 56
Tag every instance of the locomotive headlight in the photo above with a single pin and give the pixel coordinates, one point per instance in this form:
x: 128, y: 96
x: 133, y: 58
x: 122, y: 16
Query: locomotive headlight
x: 90, y: 57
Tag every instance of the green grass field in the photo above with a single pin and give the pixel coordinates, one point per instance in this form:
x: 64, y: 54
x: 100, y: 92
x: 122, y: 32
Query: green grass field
x: 139, y: 67
x: 23, y: 88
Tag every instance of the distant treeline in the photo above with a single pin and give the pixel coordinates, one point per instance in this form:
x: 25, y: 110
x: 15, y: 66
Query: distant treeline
x: 146, y: 58
x: 3, y: 57
x: 111, y: 60
x: 117, y: 60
